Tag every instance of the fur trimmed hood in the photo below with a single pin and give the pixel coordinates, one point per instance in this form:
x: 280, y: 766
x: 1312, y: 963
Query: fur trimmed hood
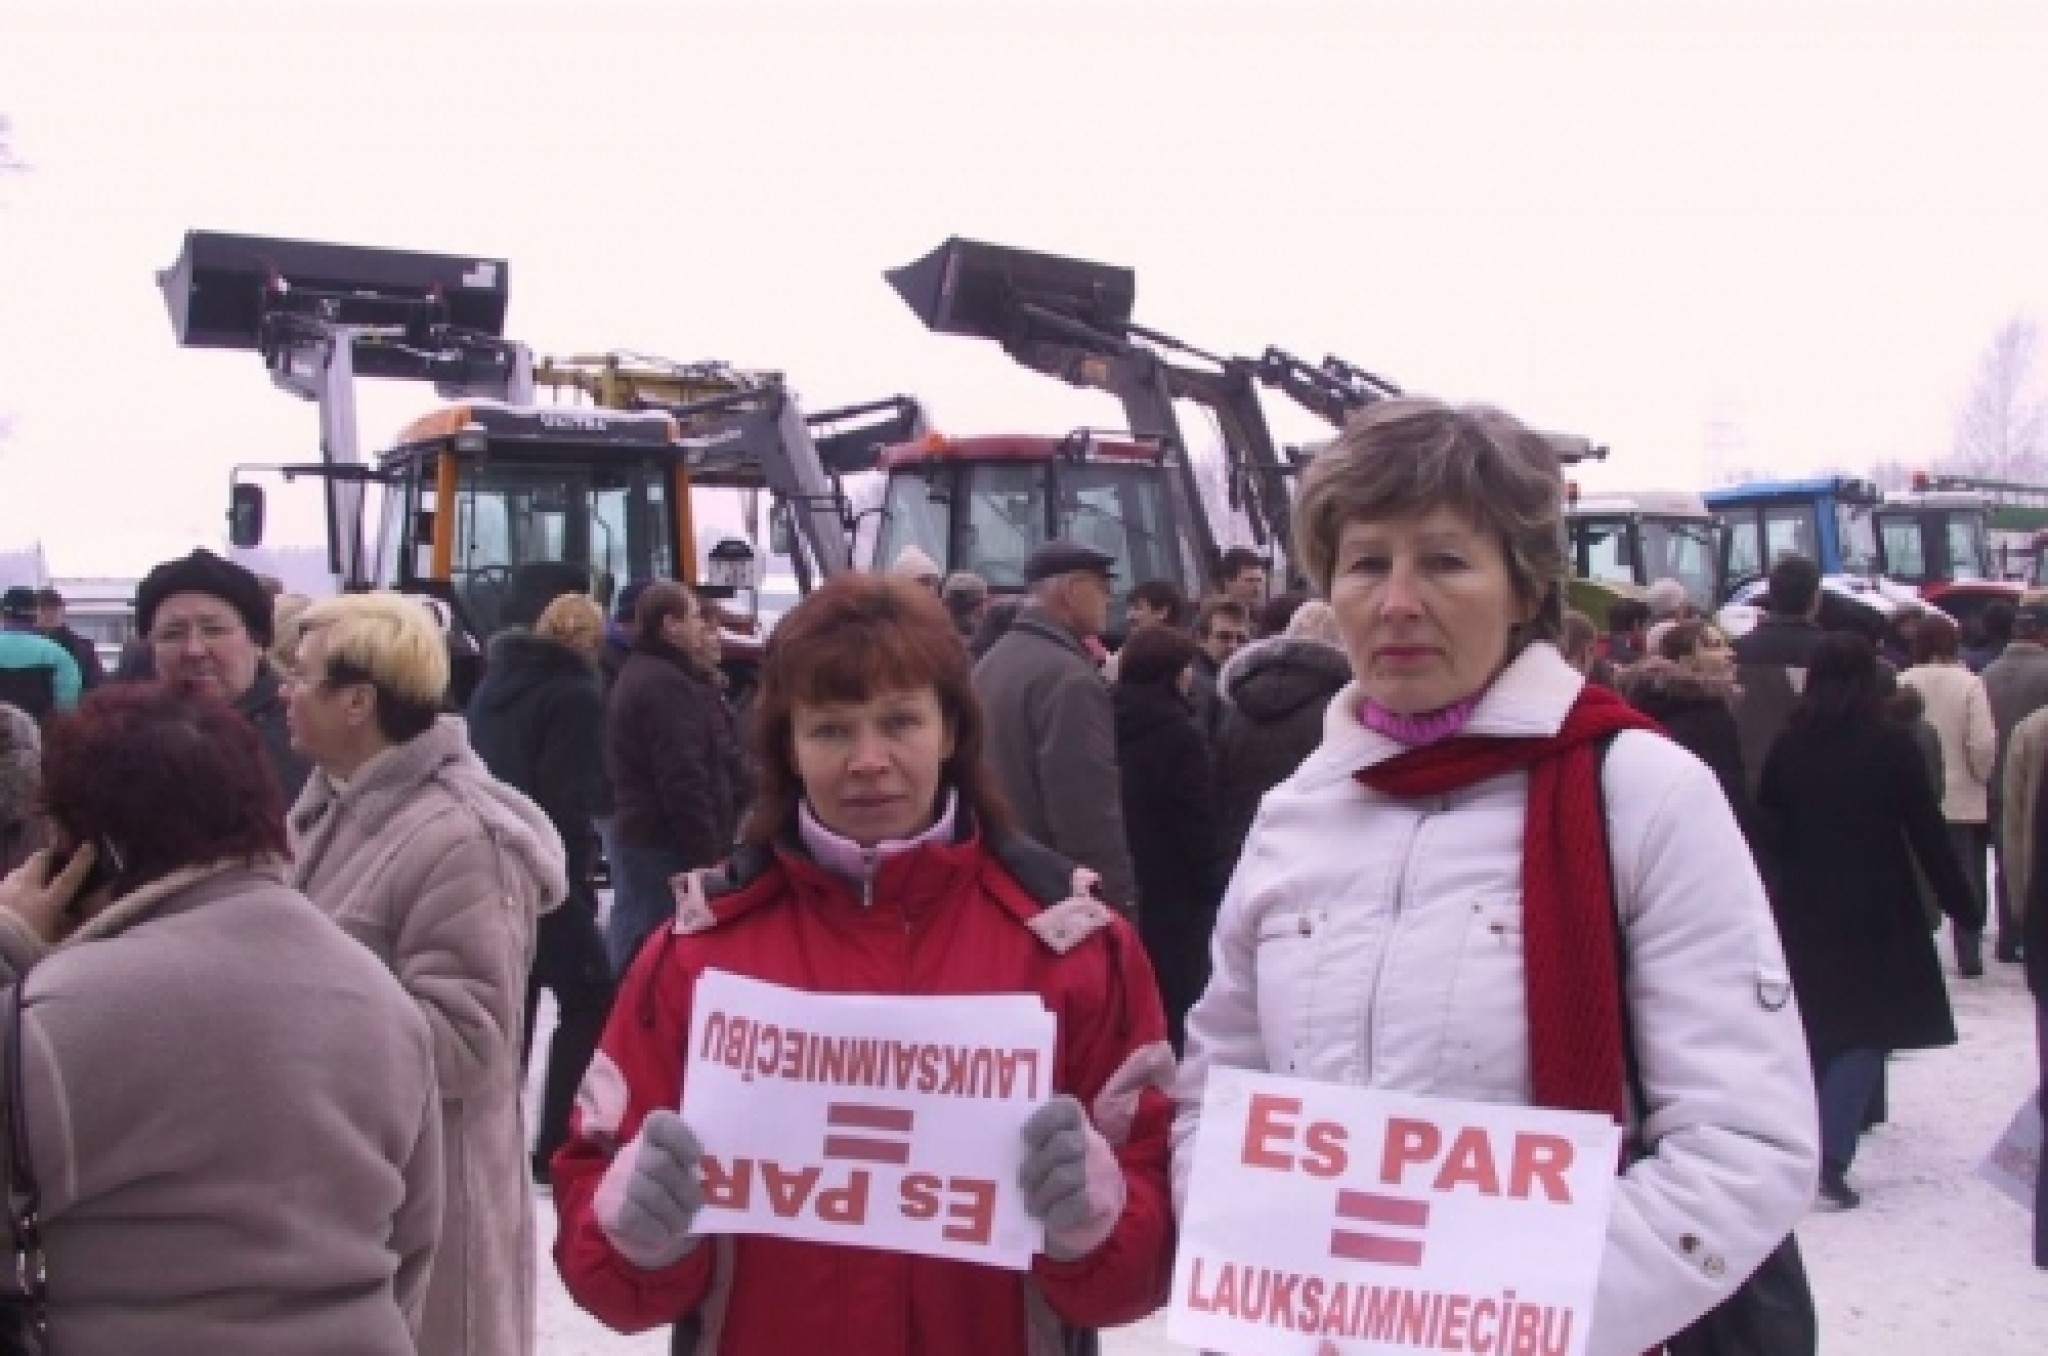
x: 1660, y: 684
x: 1270, y: 679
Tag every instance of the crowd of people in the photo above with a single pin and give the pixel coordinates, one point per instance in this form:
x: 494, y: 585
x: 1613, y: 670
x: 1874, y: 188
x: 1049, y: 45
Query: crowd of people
x: 1408, y: 826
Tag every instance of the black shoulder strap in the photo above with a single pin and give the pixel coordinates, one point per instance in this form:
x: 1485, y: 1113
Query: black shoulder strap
x: 24, y: 1197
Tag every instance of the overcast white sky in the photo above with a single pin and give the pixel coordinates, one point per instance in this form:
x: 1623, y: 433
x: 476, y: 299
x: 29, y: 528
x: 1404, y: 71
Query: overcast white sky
x: 1799, y: 222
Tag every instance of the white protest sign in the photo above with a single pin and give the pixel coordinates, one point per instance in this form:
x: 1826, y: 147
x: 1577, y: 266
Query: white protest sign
x: 1385, y: 1222
x: 865, y: 1120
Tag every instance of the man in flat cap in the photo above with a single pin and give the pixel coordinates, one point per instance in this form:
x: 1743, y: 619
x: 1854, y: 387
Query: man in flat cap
x: 1051, y: 729
x: 36, y: 673
x: 208, y: 624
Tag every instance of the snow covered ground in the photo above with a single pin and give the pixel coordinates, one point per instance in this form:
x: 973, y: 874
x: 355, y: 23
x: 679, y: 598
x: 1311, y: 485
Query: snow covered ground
x: 1933, y: 1262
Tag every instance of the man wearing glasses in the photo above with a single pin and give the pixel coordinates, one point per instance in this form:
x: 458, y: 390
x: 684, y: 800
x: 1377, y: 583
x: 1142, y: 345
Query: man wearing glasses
x: 208, y: 623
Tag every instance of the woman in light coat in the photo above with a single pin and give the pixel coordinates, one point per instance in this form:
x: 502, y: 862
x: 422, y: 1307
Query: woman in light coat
x: 229, y: 1106
x: 1386, y: 929
x: 1959, y: 709
x: 404, y: 837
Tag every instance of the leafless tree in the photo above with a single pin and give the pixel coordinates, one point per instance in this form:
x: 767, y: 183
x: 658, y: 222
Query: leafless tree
x: 2002, y: 427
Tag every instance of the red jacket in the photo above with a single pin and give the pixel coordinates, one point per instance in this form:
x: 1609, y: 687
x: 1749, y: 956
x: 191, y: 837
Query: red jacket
x: 946, y: 919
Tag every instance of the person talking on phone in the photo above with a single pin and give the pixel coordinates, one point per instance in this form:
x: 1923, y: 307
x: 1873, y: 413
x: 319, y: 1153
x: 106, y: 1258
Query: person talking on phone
x: 224, y: 1107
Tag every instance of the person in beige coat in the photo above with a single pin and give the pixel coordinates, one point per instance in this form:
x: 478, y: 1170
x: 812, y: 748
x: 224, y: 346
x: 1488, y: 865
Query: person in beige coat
x: 405, y: 838
x: 229, y: 1106
x: 1959, y: 709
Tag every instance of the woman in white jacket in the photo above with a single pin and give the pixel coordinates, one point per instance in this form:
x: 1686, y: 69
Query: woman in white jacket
x: 1429, y: 904
x: 1959, y: 709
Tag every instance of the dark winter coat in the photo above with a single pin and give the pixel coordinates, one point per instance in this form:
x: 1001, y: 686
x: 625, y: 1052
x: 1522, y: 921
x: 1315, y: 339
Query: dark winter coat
x: 679, y: 780
x: 1847, y: 812
x: 1052, y: 746
x: 2017, y: 684
x: 537, y: 721
x: 91, y: 672
x: 1770, y: 668
x: 1698, y: 711
x: 1274, y: 693
x: 1169, y: 804
x: 2034, y: 923
x: 263, y: 707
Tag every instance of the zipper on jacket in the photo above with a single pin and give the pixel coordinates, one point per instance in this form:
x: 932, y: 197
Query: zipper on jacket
x: 1372, y: 1006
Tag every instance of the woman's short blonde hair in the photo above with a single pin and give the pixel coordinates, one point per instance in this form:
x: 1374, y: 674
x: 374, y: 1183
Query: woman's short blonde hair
x: 391, y: 643
x: 287, y: 615
x: 1411, y: 454
x: 575, y: 620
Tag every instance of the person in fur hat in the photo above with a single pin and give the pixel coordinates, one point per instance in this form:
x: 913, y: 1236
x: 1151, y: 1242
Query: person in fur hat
x: 209, y: 625
x: 1687, y: 685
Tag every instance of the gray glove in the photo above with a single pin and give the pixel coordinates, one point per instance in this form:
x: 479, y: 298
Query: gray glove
x: 651, y: 1193
x: 1071, y: 1179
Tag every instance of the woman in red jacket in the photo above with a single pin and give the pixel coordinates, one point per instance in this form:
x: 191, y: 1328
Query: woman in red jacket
x: 877, y: 860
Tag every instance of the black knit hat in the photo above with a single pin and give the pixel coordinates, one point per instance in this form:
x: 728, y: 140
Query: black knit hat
x: 205, y: 572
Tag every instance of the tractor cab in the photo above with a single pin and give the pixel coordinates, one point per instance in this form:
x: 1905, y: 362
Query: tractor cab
x: 481, y: 495
x: 1827, y: 519
x: 1624, y: 541
x: 984, y: 504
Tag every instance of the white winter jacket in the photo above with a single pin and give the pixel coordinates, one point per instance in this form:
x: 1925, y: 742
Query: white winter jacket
x: 1959, y: 709
x: 1377, y: 942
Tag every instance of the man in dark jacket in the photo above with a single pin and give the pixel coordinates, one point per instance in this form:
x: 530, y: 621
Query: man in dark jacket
x: 36, y: 673
x: 1052, y: 734
x: 1169, y: 806
x: 537, y: 721
x: 1223, y: 626
x: 1995, y: 632
x: 679, y: 785
x: 1274, y: 694
x: 2017, y: 683
x: 1771, y: 660
x: 208, y: 623
x: 50, y: 620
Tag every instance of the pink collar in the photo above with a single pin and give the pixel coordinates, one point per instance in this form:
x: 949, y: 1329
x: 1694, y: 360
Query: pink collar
x: 1431, y: 727
x: 843, y: 857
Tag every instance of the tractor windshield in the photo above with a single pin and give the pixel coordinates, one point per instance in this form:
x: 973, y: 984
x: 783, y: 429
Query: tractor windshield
x: 614, y: 520
x: 1969, y: 556
x: 989, y: 515
x: 1682, y: 549
x: 1632, y: 548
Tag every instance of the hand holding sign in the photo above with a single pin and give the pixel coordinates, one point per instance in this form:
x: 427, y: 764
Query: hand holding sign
x: 1071, y: 1179
x: 652, y: 1192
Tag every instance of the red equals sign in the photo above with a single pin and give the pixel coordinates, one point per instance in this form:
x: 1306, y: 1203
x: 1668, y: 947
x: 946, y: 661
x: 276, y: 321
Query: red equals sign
x: 865, y: 1127
x: 1365, y: 1207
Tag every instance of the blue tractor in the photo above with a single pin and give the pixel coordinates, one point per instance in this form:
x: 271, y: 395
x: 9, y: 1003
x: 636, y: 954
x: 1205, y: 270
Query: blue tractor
x: 1832, y: 520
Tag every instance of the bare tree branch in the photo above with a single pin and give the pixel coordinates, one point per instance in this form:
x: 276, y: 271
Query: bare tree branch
x: 2002, y: 427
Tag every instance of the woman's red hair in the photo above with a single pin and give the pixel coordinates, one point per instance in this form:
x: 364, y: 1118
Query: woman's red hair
x: 854, y: 638
x: 170, y: 779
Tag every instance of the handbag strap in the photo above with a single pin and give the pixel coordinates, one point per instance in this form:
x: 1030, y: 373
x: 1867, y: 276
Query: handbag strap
x: 24, y: 1197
